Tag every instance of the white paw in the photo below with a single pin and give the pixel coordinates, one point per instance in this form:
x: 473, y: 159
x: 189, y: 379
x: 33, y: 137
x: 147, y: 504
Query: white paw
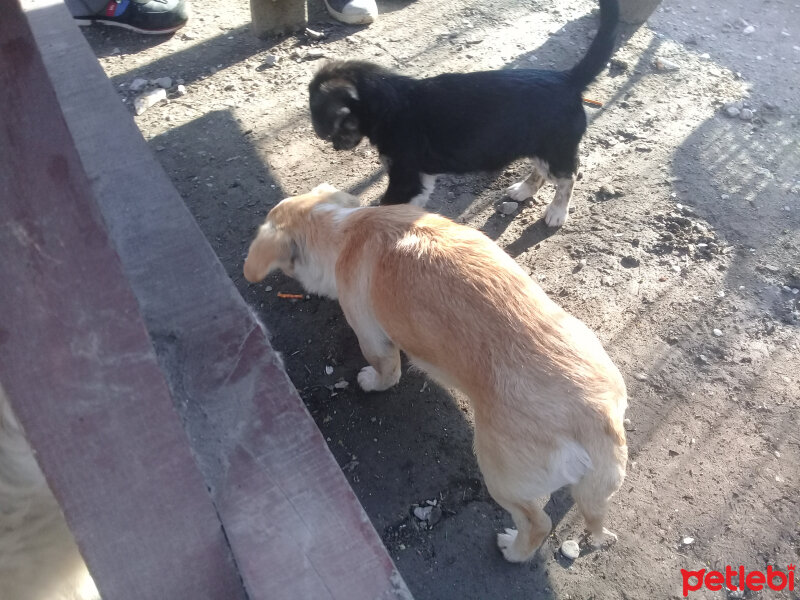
x: 505, y: 541
x: 519, y: 191
x: 605, y: 538
x: 368, y: 379
x: 555, y: 215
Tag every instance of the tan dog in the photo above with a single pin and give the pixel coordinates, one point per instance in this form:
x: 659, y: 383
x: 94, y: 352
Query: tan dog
x: 548, y: 401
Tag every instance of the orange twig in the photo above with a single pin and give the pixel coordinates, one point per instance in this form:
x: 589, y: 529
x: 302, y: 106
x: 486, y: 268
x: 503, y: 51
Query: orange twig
x: 290, y: 296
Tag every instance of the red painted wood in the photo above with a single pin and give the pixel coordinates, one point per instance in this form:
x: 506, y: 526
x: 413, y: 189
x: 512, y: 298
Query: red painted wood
x: 295, y: 527
x: 79, y: 368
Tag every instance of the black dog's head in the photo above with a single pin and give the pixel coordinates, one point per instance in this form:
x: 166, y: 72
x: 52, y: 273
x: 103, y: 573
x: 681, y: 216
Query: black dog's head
x: 334, y: 101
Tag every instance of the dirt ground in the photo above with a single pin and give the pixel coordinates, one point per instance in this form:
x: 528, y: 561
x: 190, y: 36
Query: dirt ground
x: 681, y: 253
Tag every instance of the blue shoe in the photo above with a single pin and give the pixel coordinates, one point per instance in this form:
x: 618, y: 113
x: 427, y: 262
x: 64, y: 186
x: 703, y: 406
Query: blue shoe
x: 142, y: 16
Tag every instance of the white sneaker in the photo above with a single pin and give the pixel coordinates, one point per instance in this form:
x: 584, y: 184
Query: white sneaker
x: 353, y: 12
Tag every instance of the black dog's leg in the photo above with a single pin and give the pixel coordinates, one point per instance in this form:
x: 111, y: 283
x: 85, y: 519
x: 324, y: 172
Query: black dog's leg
x: 404, y: 184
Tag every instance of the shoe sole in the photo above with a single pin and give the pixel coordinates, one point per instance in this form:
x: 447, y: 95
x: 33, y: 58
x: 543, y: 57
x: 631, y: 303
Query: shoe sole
x: 350, y: 19
x: 89, y: 22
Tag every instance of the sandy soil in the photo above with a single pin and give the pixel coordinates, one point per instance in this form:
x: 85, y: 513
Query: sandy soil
x: 681, y: 252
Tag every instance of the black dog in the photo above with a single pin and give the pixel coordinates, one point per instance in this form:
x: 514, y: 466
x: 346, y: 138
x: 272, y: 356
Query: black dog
x: 463, y: 122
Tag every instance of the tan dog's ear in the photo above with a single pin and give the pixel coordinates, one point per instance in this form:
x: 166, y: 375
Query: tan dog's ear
x: 272, y: 249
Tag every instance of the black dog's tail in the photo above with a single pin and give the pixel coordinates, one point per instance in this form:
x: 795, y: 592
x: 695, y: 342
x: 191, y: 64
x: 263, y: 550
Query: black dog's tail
x: 602, y: 46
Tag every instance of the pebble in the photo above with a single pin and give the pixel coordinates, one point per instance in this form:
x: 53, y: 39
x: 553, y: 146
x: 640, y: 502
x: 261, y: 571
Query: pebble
x: 164, y: 82
x: 148, y: 99
x: 509, y: 208
x: 181, y: 90
x: 663, y: 64
x: 423, y: 512
x: 732, y: 111
x: 748, y: 30
x: 315, y: 35
x: 703, y: 359
x: 717, y: 332
x: 270, y: 60
x: 626, y: 423
x: 687, y: 541
x: 771, y: 268
x: 746, y: 114
x: 630, y: 262
x: 341, y: 385
x: 328, y: 370
x: 314, y: 54
x: 640, y: 376
x: 138, y: 84
x: 570, y: 549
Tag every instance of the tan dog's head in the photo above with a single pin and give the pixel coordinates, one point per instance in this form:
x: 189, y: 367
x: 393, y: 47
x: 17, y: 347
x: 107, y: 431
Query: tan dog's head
x: 282, y: 237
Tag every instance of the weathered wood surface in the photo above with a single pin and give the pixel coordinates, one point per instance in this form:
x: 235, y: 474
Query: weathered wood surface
x: 269, y: 17
x: 79, y: 368
x: 294, y: 525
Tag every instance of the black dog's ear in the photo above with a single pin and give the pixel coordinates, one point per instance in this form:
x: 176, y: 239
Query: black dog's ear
x: 340, y: 88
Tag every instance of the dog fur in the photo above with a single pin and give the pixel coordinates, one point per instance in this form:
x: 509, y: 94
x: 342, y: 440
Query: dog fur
x: 548, y: 402
x: 39, y: 559
x: 464, y: 122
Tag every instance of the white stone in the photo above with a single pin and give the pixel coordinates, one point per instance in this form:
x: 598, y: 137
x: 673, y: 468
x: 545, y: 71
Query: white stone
x: 509, y: 208
x: 748, y: 30
x: 181, y: 90
x: 717, y: 333
x: 149, y: 99
x: 423, y: 512
x: 570, y: 549
x: 328, y: 370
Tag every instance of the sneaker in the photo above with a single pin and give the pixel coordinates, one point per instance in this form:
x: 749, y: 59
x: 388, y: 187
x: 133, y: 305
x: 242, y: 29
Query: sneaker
x: 353, y: 12
x: 142, y: 16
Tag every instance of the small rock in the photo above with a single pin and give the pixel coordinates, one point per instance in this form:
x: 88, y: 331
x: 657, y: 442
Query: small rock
x: 748, y: 30
x: 435, y: 516
x: 164, y: 82
x: 570, y: 549
x: 640, y: 376
x: 138, y: 84
x: 315, y: 35
x: 181, y: 90
x: 703, y: 359
x: 771, y: 268
x: 626, y: 423
x: 268, y: 288
x: 687, y: 541
x: 328, y: 370
x: 717, y: 332
x: 341, y: 385
x: 630, y: 262
x: 148, y: 99
x: 509, y: 208
x: 270, y: 60
x: 314, y: 54
x: 732, y: 111
x: 423, y: 512
x: 663, y: 64
x: 606, y: 191
x: 746, y: 114
x: 116, y: 51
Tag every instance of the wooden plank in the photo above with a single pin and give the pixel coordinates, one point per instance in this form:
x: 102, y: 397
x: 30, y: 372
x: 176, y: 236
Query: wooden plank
x: 79, y: 368
x: 295, y: 527
x: 271, y: 17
